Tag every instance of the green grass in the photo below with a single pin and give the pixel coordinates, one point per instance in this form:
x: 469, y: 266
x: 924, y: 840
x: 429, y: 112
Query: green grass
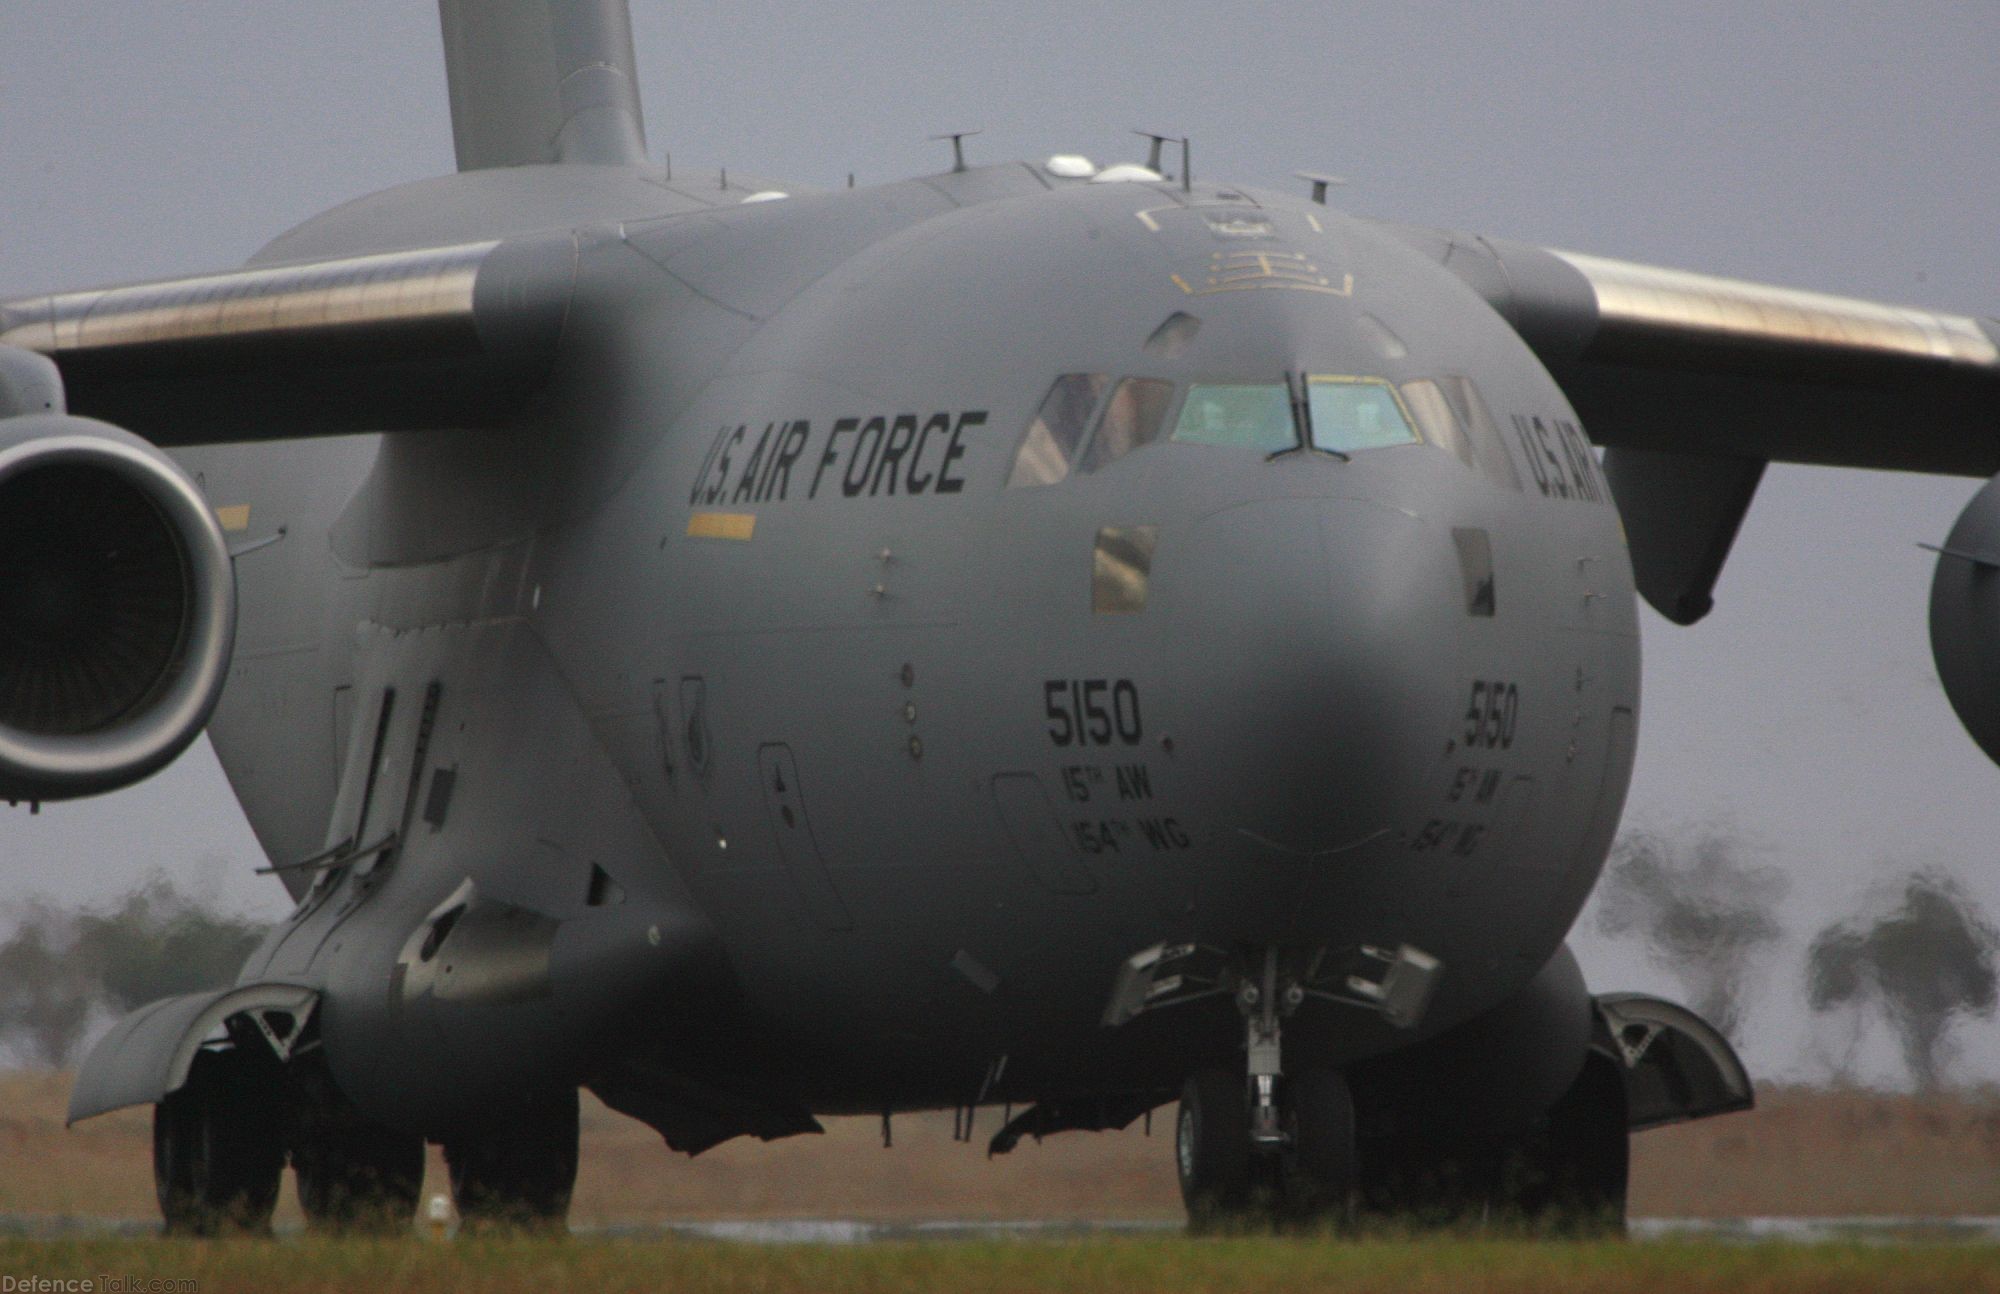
x: 1153, y: 1265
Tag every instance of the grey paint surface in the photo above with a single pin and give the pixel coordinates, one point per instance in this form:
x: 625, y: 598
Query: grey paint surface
x: 1651, y: 234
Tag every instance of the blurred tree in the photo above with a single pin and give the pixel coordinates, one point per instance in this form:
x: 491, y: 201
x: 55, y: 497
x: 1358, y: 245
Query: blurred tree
x: 58, y: 969
x: 158, y: 942
x: 1923, y: 964
x: 45, y: 995
x: 1706, y: 914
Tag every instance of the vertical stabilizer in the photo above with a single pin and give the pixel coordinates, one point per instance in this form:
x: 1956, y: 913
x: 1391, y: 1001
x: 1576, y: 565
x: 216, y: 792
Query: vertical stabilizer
x: 541, y: 81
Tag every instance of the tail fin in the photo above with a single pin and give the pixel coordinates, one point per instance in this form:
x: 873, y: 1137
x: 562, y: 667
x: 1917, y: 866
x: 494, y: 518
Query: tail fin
x: 541, y: 81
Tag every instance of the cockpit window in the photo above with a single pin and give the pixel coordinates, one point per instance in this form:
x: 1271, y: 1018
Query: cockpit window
x: 1450, y: 414
x: 1134, y: 416
x: 1440, y: 426
x: 1356, y: 413
x: 1487, y: 444
x: 1240, y: 416
x: 1058, y: 430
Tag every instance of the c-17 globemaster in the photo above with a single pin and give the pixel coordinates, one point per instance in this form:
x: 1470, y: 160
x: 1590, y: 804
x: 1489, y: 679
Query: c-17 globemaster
x: 1030, y: 636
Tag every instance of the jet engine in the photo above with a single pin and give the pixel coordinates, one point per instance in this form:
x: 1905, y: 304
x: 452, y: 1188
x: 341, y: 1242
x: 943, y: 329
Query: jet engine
x: 117, y: 608
x: 1965, y: 618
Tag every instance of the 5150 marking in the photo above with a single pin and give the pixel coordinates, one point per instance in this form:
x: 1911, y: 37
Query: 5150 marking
x: 1092, y: 711
x: 1490, y: 715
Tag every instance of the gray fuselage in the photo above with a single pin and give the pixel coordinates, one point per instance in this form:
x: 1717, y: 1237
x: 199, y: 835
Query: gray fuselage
x: 755, y: 626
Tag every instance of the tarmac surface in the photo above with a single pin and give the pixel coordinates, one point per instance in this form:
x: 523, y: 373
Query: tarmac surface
x: 838, y: 1231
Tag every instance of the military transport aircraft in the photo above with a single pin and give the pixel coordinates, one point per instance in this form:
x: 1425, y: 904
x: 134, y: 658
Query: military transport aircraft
x: 736, y: 685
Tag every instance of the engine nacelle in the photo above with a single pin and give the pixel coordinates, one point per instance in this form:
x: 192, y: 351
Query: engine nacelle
x: 117, y: 608
x: 1965, y: 618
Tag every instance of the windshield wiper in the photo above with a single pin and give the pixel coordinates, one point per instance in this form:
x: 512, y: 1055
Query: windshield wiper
x: 1300, y: 396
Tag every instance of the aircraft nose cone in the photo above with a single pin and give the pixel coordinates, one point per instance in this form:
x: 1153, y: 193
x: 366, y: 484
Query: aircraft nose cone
x: 1317, y: 649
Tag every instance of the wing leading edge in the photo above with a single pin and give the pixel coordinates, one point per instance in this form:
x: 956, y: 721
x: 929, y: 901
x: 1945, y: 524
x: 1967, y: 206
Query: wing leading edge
x: 1673, y: 362
x: 453, y: 336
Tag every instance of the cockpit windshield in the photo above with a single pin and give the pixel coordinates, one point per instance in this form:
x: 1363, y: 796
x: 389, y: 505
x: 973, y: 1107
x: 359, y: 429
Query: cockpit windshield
x: 1088, y: 421
x: 1239, y: 416
x: 1356, y: 413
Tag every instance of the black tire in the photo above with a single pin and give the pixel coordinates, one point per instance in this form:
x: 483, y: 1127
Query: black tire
x: 1426, y: 1181
x: 1563, y: 1176
x: 219, y: 1149
x: 1322, y: 1169
x: 355, y: 1176
x: 519, y: 1175
x: 1212, y: 1150
x: 1570, y: 1178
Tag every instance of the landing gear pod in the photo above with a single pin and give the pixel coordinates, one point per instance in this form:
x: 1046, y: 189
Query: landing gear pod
x: 117, y: 608
x: 1965, y: 618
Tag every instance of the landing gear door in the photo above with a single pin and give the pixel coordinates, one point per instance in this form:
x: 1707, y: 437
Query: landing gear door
x: 786, y: 802
x: 1676, y: 1066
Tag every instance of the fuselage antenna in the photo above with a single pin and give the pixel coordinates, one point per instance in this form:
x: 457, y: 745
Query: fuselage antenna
x: 1319, y: 183
x: 1155, y: 154
x: 957, y: 139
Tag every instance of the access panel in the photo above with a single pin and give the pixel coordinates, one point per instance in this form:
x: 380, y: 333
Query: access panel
x: 787, y: 804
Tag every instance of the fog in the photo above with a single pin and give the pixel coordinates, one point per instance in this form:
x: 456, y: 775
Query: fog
x: 1839, y: 148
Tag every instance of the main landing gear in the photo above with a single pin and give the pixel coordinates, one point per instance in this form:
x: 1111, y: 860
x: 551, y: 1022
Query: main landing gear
x: 518, y: 1176
x: 1563, y: 1175
x: 354, y: 1175
x: 218, y: 1149
x: 221, y: 1140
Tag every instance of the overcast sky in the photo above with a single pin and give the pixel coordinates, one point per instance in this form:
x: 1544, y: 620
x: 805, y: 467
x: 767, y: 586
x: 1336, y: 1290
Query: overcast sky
x: 1845, y: 148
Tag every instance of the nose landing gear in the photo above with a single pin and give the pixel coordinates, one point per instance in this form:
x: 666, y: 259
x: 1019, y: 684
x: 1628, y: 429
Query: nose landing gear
x: 1217, y: 1170
x: 1305, y: 1175
x: 1257, y: 1146
x: 1297, y: 1163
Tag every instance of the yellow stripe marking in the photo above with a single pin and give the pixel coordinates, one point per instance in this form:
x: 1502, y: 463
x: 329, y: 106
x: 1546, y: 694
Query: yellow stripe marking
x: 722, y: 525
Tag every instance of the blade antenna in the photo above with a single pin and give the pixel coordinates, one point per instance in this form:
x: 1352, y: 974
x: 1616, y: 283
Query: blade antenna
x: 1320, y: 183
x: 957, y: 139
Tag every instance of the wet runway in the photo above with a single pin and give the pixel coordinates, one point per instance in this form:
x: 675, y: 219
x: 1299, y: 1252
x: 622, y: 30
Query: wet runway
x: 840, y: 1231
x: 1887, y: 1230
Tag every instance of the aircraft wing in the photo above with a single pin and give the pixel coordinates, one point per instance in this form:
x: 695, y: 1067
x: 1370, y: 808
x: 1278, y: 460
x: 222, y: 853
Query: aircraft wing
x: 453, y: 336
x: 1668, y: 361
x: 1693, y: 384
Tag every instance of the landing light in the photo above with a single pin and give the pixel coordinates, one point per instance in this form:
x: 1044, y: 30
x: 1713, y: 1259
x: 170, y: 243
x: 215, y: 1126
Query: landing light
x: 766, y: 195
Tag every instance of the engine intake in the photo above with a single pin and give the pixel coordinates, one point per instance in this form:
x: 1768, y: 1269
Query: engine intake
x: 117, y: 608
x: 1965, y: 618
